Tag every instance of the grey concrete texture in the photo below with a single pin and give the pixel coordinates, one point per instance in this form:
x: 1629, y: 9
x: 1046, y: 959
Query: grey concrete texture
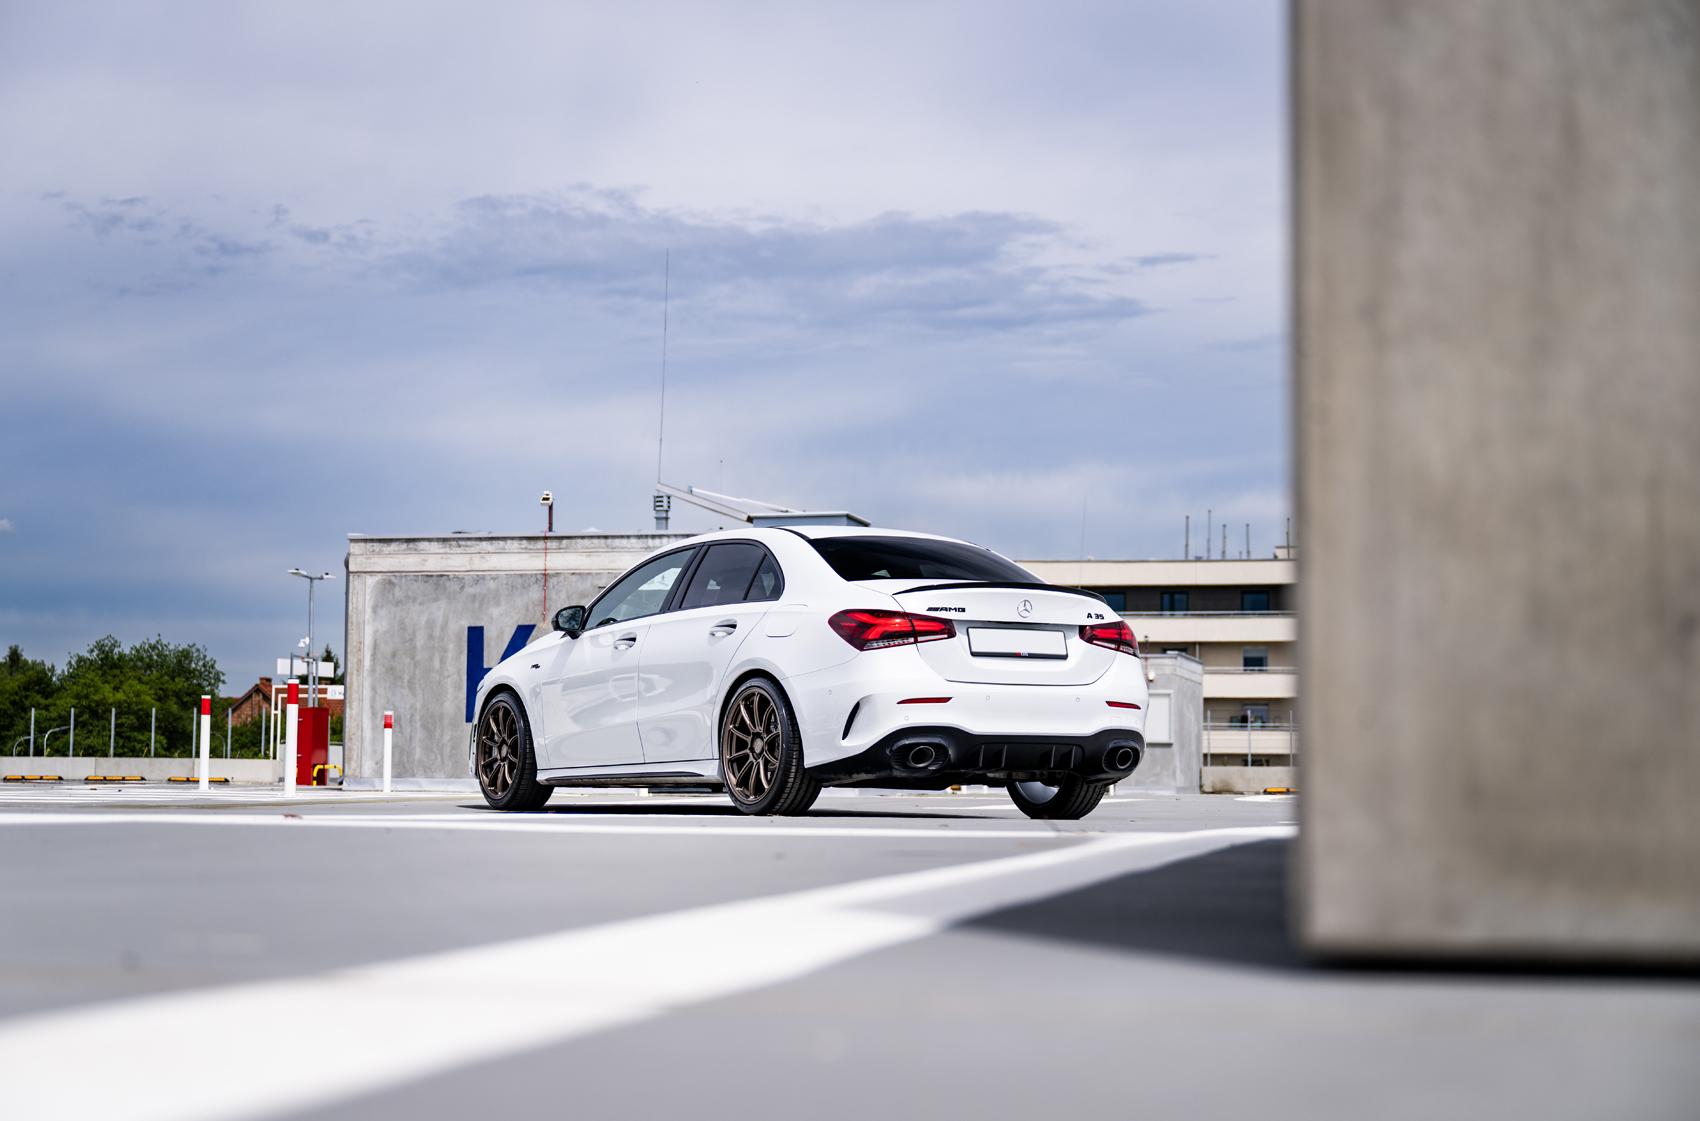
x: 410, y: 601
x: 1174, y: 993
x: 99, y: 911
x: 1498, y: 475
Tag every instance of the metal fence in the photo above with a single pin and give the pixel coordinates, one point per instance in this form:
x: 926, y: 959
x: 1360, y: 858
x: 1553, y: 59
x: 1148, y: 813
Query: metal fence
x: 1250, y: 744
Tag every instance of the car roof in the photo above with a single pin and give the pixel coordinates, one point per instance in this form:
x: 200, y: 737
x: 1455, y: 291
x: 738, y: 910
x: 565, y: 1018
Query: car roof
x: 811, y: 533
x: 816, y: 532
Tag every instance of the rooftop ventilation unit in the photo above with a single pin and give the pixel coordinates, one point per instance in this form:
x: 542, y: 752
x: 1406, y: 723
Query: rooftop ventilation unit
x: 758, y: 514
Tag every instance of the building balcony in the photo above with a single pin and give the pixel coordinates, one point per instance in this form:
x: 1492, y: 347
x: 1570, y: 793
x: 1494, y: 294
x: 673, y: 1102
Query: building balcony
x: 1262, y: 628
x: 1226, y: 683
x: 1243, y: 745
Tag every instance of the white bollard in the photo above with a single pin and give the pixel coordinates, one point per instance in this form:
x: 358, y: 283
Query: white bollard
x: 291, y: 736
x: 206, y: 742
x: 389, y: 729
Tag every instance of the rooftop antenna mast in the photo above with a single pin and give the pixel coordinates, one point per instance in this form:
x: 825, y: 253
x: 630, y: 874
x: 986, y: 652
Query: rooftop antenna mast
x: 663, y: 503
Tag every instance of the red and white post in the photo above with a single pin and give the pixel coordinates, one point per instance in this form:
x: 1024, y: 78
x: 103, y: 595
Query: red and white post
x: 205, y: 770
x: 389, y: 730
x: 291, y: 736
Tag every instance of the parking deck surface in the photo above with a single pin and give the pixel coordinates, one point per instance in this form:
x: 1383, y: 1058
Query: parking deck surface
x: 168, y: 954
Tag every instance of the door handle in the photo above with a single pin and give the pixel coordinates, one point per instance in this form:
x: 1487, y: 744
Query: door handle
x: 625, y: 642
x: 723, y: 628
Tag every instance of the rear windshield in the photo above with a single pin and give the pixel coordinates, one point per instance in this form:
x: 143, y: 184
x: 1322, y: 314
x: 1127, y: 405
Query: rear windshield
x: 914, y: 558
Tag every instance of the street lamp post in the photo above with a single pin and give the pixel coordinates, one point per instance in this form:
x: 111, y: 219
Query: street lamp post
x: 312, y: 658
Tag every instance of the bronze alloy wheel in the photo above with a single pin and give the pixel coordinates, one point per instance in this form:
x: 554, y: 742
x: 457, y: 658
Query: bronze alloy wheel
x: 507, y: 771
x: 761, y: 756
x: 498, y: 750
x: 752, y: 749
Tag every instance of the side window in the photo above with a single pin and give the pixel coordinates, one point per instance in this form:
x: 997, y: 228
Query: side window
x: 724, y: 576
x: 641, y: 593
x: 769, y: 582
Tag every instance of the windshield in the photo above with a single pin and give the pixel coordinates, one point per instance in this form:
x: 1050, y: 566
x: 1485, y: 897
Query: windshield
x: 916, y: 558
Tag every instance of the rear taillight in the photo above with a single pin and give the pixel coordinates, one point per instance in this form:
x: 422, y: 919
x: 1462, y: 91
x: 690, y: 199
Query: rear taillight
x: 1112, y: 636
x: 869, y: 630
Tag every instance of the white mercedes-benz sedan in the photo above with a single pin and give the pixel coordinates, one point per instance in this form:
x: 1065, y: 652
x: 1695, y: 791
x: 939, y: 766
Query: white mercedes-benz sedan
x: 773, y: 662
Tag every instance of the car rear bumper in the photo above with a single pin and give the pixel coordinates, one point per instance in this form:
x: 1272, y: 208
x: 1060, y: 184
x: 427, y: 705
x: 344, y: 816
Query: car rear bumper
x: 900, y: 759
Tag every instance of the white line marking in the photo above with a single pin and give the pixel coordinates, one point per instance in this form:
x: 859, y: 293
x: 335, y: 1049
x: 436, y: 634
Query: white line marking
x: 532, y: 825
x: 254, y: 1045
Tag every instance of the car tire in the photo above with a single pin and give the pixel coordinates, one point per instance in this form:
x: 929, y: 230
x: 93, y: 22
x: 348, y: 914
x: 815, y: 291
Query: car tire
x: 507, y: 765
x: 1073, y: 798
x: 761, y: 753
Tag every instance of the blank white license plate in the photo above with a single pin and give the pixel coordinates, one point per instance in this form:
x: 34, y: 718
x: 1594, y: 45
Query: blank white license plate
x: 1002, y: 642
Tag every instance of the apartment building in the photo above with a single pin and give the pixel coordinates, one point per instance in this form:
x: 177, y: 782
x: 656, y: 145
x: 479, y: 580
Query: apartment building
x: 1236, y: 618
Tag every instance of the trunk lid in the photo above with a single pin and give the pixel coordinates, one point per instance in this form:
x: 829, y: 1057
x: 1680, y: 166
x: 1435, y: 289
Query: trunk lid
x: 1010, y: 634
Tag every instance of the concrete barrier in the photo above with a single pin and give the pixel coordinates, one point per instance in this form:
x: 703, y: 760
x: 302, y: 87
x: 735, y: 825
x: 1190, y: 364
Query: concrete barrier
x: 1248, y: 780
x: 151, y: 770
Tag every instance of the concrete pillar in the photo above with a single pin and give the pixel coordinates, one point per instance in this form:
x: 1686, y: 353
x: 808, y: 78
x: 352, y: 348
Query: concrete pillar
x: 1498, y: 439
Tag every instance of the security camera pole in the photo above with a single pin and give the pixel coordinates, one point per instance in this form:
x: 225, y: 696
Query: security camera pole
x: 312, y: 658
x: 548, y: 501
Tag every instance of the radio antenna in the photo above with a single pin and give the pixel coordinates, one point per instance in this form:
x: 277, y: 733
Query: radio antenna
x: 661, y: 423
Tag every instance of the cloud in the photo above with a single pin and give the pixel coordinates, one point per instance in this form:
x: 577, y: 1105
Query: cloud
x: 974, y: 271
x: 277, y: 275
x: 6, y: 526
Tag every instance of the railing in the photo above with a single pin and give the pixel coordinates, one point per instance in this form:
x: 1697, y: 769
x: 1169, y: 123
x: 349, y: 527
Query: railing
x: 1251, y: 669
x: 1250, y: 745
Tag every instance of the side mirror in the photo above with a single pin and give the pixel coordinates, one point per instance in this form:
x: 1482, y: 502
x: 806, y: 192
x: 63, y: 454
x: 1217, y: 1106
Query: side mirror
x: 570, y: 620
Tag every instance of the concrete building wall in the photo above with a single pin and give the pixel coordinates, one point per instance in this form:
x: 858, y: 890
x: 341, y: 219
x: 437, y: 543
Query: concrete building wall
x: 1498, y: 434
x: 419, y: 608
x: 1173, y: 764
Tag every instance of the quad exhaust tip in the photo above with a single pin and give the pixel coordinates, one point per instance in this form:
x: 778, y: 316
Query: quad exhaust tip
x: 1120, y: 757
x: 921, y: 756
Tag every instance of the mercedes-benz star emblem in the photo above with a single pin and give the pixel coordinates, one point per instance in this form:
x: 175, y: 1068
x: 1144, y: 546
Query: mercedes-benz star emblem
x: 1024, y: 608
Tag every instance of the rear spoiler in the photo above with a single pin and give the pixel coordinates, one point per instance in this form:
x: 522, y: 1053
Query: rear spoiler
x: 1003, y: 584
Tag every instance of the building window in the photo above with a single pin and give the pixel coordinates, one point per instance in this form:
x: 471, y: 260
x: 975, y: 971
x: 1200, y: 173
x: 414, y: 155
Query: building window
x: 1174, y: 603
x: 1116, y: 600
x: 1255, y: 714
x: 1254, y: 657
x: 1254, y: 601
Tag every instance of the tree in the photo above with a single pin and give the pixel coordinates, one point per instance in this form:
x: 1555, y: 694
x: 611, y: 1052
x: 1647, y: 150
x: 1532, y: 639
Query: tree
x: 336, y: 663
x: 25, y: 684
x: 150, y: 677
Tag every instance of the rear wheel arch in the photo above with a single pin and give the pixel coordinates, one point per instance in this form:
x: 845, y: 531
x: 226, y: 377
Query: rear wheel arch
x: 742, y: 679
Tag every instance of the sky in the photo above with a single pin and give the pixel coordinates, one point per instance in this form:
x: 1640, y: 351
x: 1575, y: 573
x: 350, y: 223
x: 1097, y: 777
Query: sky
x: 274, y: 273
